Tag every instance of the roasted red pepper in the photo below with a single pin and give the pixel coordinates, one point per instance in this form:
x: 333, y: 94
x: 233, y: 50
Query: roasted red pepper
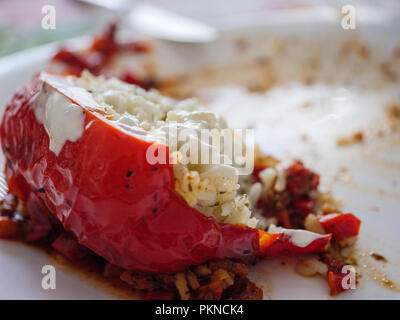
x: 284, y: 244
x: 100, y: 55
x: 341, y: 225
x: 102, y: 190
x: 334, y: 280
x: 300, y: 181
x: 293, y: 204
x: 67, y: 245
x: 336, y: 277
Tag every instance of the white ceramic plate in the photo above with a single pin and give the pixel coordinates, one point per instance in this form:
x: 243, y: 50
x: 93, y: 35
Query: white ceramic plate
x: 371, y: 188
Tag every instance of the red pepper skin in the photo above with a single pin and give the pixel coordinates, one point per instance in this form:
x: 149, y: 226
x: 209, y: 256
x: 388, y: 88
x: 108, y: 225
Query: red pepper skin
x: 41, y: 221
x: 335, y: 282
x: 335, y: 277
x: 102, y: 189
x: 67, y: 245
x: 267, y: 240
x: 283, y: 246
x: 239, y: 241
x: 342, y: 226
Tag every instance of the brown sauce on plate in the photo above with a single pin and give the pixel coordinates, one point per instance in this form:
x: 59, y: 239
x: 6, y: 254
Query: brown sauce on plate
x: 370, y: 271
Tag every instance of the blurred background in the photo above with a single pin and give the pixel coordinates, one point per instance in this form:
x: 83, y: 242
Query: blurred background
x: 20, y: 20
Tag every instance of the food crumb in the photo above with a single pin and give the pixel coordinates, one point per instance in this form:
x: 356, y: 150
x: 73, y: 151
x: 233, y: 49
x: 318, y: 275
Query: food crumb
x: 394, y: 111
x: 375, y: 209
x: 241, y: 45
x: 377, y: 256
x: 304, y: 137
x: 357, y: 137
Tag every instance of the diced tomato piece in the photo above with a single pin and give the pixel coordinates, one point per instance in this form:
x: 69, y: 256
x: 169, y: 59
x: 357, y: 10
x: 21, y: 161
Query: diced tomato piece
x: 284, y: 220
x: 335, y: 282
x: 342, y: 226
x: 131, y: 78
x: 304, y: 207
x: 9, y: 228
x: 301, y: 180
x: 335, y: 277
x: 70, y: 59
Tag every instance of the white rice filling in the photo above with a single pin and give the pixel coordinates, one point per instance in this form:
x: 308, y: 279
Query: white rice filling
x: 210, y: 188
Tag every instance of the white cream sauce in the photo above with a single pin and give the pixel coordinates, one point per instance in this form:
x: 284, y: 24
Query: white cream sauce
x: 62, y: 119
x: 300, y: 238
